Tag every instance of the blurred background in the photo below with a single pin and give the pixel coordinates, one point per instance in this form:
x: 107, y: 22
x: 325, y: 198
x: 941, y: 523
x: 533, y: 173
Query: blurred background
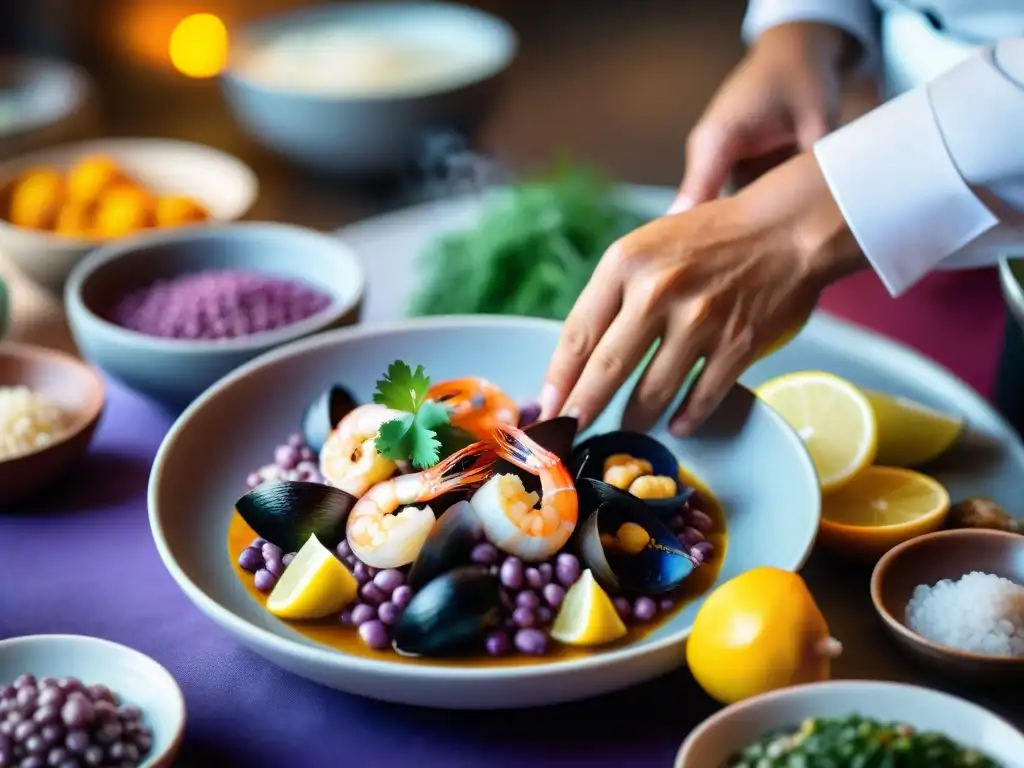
x: 612, y: 84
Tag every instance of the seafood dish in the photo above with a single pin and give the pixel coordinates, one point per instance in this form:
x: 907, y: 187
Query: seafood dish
x: 443, y: 520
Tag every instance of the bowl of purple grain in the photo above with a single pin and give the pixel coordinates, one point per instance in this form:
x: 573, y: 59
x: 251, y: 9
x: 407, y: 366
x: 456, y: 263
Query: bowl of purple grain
x: 72, y: 700
x: 169, y: 313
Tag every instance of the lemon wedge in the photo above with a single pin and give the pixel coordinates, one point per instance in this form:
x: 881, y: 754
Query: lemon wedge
x: 832, y: 417
x: 587, y: 616
x: 315, y: 585
x: 880, y: 508
x: 909, y: 433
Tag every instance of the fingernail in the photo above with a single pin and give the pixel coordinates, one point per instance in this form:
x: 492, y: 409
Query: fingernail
x: 680, y: 205
x: 548, y: 399
x: 679, y: 428
x: 572, y: 412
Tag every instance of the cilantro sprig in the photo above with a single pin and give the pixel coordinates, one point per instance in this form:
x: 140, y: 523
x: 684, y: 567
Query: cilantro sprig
x: 423, y: 430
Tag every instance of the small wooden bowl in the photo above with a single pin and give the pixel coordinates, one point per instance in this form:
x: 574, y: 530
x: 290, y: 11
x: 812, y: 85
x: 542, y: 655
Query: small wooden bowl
x: 947, y: 555
x: 76, y: 388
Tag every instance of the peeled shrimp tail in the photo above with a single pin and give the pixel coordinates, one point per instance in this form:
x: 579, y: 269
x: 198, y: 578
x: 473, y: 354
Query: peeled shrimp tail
x: 517, y: 447
x: 469, y: 466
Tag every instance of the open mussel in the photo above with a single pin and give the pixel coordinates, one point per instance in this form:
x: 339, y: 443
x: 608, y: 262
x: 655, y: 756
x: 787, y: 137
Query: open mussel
x: 630, y: 550
x: 449, y: 544
x: 450, y: 614
x: 636, y: 463
x: 323, y: 415
x: 556, y: 435
x: 286, y: 513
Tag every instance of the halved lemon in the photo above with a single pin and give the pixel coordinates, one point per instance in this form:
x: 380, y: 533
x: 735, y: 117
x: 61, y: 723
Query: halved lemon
x: 587, y: 616
x: 315, y: 585
x: 880, y: 508
x: 834, y: 419
x: 910, y: 433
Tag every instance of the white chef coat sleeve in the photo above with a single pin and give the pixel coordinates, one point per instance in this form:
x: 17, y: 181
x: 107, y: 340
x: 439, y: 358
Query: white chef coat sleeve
x: 855, y: 17
x: 935, y: 177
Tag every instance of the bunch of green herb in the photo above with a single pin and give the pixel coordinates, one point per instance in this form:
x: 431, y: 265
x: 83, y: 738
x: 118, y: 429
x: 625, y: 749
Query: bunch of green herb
x: 530, y: 253
x: 423, y: 433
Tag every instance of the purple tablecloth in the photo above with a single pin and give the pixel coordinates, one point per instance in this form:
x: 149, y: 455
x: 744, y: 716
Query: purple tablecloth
x: 83, y: 562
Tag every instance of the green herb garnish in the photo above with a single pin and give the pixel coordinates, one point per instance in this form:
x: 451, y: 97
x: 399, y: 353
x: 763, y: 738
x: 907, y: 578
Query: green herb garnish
x: 530, y: 253
x: 424, y: 427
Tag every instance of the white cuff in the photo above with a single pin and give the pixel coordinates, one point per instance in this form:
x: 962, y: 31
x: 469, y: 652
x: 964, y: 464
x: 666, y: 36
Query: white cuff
x: 855, y: 17
x: 899, y: 190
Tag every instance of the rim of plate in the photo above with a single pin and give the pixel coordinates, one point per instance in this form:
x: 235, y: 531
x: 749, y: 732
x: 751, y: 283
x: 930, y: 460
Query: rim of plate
x: 867, y: 687
x: 329, y: 656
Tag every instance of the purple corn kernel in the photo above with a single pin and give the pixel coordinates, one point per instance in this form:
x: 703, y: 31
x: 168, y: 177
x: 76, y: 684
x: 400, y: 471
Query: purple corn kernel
x: 700, y: 520
x: 701, y: 551
x: 644, y: 610
x: 524, y: 617
x: 511, y: 573
x: 374, y: 634
x: 553, y: 595
x: 251, y: 559
x: 527, y: 599
x: 363, y: 613
x: 264, y: 580
x: 401, y: 596
x: 623, y: 607
x: 497, y: 644
x: 532, y: 642
x: 484, y: 554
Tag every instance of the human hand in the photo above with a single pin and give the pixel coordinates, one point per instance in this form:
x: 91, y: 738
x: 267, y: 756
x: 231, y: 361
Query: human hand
x: 722, y: 282
x: 782, y: 98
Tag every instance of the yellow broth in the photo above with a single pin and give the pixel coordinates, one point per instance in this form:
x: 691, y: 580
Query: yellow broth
x: 345, y: 639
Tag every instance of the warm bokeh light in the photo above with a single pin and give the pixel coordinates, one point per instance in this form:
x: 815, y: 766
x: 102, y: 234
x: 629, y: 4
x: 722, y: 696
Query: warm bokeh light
x: 199, y: 45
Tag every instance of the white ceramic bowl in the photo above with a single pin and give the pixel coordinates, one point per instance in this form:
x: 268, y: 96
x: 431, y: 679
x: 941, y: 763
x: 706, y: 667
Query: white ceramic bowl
x: 718, y: 737
x: 225, y: 185
x: 747, y: 455
x: 133, y: 676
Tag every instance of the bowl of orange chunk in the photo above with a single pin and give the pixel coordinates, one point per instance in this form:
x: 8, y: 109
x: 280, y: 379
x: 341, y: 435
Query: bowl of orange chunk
x: 59, y: 203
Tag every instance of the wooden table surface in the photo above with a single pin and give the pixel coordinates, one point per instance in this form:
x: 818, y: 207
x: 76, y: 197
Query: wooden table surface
x: 616, y: 85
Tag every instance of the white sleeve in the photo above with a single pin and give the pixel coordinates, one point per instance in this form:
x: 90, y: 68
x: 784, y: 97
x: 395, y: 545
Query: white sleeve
x: 855, y: 17
x: 935, y: 177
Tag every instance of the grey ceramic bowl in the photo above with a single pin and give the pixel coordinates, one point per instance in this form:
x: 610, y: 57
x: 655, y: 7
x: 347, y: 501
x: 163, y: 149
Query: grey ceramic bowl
x: 750, y: 459
x: 174, y: 371
x: 136, y: 678
x: 373, y: 132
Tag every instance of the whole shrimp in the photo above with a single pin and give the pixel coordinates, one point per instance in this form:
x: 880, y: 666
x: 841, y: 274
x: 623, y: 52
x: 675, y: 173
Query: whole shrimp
x: 384, y: 538
x: 349, y: 458
x: 509, y: 514
x: 476, y: 405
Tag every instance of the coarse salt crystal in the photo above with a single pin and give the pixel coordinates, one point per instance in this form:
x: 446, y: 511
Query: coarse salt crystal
x: 29, y: 421
x: 979, y: 613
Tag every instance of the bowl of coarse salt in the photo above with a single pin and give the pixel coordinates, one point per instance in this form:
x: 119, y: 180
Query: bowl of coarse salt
x: 954, y: 600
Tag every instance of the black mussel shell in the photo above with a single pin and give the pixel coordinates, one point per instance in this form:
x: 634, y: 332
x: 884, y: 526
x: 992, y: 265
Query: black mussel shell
x: 449, y: 544
x: 450, y: 614
x: 286, y: 513
x: 659, y: 567
x: 556, y: 435
x: 587, y: 460
x: 323, y: 415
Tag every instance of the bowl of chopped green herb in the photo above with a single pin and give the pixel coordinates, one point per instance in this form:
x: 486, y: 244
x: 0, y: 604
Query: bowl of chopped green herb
x: 850, y: 723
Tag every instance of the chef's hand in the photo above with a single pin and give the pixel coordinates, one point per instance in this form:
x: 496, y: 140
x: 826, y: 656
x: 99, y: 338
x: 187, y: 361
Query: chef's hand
x: 722, y: 281
x: 782, y: 98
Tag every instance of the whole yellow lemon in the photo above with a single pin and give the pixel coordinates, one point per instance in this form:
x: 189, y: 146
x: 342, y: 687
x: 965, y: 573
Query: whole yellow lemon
x: 759, y: 632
